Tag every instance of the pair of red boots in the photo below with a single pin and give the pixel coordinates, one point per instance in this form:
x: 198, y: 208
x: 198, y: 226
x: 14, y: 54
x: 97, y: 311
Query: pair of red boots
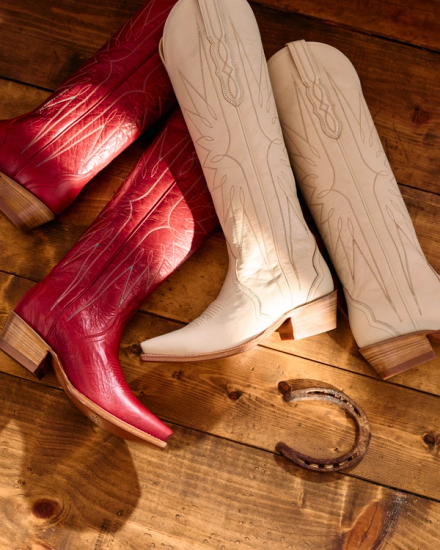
x: 73, y: 320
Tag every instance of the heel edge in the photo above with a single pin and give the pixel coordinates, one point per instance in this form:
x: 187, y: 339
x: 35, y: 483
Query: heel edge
x: 314, y: 318
x: 21, y: 207
x: 392, y: 357
x: 24, y: 345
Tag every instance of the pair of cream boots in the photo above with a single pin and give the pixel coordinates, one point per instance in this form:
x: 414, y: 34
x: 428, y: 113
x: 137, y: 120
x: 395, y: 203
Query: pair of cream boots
x: 233, y: 103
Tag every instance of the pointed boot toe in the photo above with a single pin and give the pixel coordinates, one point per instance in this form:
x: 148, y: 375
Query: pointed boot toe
x: 167, y: 346
x: 91, y: 376
x: 222, y: 330
x: 392, y: 292
x: 100, y: 391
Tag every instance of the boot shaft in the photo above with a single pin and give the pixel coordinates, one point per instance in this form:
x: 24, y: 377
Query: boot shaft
x: 344, y: 174
x: 214, y: 56
x: 160, y: 215
x: 78, y: 312
x: 57, y: 148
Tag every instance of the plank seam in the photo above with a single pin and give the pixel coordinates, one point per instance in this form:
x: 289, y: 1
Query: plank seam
x: 347, y: 27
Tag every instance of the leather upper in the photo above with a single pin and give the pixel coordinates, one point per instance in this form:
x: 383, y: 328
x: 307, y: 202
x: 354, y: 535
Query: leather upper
x: 214, y: 56
x: 56, y: 149
x: 161, y: 214
x: 346, y: 179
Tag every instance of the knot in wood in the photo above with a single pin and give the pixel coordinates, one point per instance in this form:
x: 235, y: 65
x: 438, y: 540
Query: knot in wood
x: 136, y: 349
x: 284, y: 387
x: 429, y: 439
x: 44, y: 508
x: 234, y: 395
x: 420, y: 116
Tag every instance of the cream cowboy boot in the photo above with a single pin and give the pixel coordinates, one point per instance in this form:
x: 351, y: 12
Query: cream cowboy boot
x: 393, y: 294
x: 214, y: 56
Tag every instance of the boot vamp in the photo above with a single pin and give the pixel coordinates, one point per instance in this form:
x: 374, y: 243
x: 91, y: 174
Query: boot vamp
x: 238, y: 315
x: 91, y: 364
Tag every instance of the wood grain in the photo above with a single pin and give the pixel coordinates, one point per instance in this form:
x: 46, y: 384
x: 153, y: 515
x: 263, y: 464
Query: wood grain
x: 83, y: 26
x: 399, y: 81
x: 67, y: 484
x: 57, y: 37
x: 414, y: 22
x: 236, y: 398
x: 399, y: 84
x: 188, y: 292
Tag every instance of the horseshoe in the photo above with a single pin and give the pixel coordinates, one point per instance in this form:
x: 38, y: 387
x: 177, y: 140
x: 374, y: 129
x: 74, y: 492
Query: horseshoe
x: 363, y: 436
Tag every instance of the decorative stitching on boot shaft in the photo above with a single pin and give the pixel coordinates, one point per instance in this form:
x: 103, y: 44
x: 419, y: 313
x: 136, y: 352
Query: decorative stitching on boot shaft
x: 316, y: 91
x: 221, y: 45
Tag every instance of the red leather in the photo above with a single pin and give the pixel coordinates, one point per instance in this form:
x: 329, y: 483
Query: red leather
x: 56, y: 149
x: 159, y: 217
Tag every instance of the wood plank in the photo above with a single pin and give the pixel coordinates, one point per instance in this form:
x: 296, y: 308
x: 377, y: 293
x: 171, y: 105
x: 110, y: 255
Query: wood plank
x: 59, y: 236
x: 66, y: 484
x: 18, y: 98
x: 400, y: 82
x: 188, y: 292
x: 201, y: 396
x: 44, y: 46
x: 415, y: 22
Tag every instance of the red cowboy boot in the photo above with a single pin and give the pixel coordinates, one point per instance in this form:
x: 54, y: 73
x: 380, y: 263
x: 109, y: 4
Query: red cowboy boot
x: 49, y: 154
x: 77, y: 314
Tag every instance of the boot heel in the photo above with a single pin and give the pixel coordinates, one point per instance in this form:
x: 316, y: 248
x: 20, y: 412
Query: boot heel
x: 22, y: 208
x: 313, y: 318
x: 23, y: 344
x: 399, y: 354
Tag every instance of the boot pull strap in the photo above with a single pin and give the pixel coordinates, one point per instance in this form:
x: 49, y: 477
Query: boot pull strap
x: 212, y: 14
x: 316, y: 91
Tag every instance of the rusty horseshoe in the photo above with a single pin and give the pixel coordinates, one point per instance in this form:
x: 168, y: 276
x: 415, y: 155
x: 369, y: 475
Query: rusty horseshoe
x: 363, y: 436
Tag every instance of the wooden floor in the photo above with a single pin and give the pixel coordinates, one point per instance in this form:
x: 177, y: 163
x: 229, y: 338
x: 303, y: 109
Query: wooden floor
x: 220, y: 485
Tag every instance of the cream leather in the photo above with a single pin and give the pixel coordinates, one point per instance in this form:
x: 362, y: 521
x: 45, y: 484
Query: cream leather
x: 345, y: 177
x: 214, y: 56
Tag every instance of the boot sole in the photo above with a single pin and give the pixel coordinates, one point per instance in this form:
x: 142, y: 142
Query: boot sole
x: 307, y: 320
x: 22, y: 208
x: 25, y: 346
